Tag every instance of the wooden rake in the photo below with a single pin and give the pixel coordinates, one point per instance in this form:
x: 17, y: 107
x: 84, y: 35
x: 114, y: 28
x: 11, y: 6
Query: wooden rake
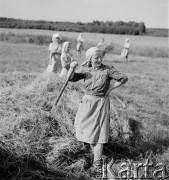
x: 61, y: 92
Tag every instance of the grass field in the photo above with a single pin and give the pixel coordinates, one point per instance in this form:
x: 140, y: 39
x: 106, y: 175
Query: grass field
x: 140, y: 45
x: 30, y: 136
x: 141, y: 41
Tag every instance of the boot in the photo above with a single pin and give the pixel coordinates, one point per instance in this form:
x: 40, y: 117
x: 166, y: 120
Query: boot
x: 96, y: 170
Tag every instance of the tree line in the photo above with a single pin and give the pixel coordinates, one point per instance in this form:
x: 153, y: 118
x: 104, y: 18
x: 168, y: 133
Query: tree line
x: 108, y: 27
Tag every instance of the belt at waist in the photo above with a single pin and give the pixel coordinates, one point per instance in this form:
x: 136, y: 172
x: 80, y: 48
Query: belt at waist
x: 94, y: 96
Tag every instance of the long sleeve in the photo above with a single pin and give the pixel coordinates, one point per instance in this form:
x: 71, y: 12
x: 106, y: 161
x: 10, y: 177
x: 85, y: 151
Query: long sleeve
x: 77, y: 77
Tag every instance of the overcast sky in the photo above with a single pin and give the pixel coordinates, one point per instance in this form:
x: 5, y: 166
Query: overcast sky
x: 154, y: 13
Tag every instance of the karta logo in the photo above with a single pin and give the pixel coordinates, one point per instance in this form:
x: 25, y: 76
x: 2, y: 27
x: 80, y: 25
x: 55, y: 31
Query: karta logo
x: 107, y: 170
x: 134, y: 171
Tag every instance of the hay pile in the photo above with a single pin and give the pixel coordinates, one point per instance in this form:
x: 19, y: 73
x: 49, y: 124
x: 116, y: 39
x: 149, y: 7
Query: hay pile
x: 36, y: 143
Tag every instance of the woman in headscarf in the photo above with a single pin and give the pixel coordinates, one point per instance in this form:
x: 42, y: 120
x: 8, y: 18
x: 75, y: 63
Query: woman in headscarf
x: 80, y: 41
x: 100, y: 46
x: 92, y: 121
x: 125, y: 51
x: 66, y: 58
x: 55, y: 53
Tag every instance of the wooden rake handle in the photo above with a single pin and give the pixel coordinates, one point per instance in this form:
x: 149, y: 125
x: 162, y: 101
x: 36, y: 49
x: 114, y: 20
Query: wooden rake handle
x: 64, y: 86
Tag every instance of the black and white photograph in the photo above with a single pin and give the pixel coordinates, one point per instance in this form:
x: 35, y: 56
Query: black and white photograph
x: 84, y: 90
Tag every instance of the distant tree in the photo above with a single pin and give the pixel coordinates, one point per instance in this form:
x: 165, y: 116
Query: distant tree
x: 118, y: 27
x: 142, y: 28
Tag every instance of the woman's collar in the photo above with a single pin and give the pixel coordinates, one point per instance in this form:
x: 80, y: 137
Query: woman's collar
x: 95, y: 69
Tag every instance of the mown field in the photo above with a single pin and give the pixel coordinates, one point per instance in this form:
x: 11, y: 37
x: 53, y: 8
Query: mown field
x: 140, y: 45
x: 36, y: 143
x: 96, y: 37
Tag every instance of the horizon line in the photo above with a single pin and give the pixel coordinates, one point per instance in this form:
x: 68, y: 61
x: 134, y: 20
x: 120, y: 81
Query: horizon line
x: 166, y: 28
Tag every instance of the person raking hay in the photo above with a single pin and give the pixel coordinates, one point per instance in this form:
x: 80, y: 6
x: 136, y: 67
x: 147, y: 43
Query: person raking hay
x: 92, y: 121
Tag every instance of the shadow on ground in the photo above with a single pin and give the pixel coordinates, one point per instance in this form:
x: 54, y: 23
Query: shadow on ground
x: 28, y: 167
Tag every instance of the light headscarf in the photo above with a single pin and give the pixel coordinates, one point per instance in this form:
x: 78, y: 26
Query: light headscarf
x: 127, y: 44
x: 65, y: 44
x: 90, y: 52
x: 56, y: 35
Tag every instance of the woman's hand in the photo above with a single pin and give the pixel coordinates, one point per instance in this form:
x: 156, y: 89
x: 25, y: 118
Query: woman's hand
x: 74, y: 64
